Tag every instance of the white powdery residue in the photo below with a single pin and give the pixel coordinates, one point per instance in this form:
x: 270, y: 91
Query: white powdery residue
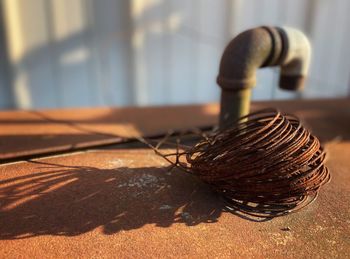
x: 282, y: 239
x: 116, y: 162
x: 146, y: 180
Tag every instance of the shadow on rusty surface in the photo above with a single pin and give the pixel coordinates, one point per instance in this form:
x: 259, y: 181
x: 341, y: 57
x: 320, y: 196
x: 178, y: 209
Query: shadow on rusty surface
x: 73, y: 200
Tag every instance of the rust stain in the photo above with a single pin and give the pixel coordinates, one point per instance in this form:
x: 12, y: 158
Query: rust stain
x: 120, y: 205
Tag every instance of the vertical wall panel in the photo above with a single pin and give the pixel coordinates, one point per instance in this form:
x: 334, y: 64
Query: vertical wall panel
x: 143, y: 52
x: 338, y: 59
x: 183, y: 51
x: 329, y: 75
x: 109, y: 40
x: 30, y: 53
x: 210, y: 43
x: 149, y: 26
x: 6, y: 94
x: 72, y: 55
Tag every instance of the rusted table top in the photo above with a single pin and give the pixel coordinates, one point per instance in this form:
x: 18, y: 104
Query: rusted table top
x: 25, y: 133
x: 122, y: 202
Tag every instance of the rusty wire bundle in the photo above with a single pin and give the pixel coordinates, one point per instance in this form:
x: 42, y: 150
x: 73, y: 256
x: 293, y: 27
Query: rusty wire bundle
x: 266, y: 165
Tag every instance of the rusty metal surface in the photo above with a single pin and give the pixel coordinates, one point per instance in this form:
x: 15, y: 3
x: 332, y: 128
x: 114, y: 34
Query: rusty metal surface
x: 113, y: 202
x: 24, y: 133
x: 38, y: 132
x: 123, y: 204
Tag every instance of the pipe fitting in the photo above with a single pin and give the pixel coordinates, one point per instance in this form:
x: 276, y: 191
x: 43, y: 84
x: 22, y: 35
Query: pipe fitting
x: 251, y: 50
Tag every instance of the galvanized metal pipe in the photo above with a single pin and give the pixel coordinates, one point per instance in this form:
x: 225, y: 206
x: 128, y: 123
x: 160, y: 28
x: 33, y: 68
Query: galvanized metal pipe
x: 255, y: 48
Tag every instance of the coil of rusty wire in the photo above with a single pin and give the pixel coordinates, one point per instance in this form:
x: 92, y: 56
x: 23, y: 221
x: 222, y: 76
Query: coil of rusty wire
x: 266, y: 165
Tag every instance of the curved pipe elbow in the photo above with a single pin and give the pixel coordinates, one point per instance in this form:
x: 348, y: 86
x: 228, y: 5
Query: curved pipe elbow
x: 296, y: 63
x: 261, y: 47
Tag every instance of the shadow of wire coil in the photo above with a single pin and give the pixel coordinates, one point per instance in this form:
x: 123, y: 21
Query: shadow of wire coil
x: 266, y: 165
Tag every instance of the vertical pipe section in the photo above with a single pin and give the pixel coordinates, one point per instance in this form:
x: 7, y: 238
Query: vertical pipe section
x: 233, y: 105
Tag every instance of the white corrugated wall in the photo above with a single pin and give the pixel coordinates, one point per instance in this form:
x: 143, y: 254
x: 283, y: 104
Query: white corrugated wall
x: 69, y: 53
